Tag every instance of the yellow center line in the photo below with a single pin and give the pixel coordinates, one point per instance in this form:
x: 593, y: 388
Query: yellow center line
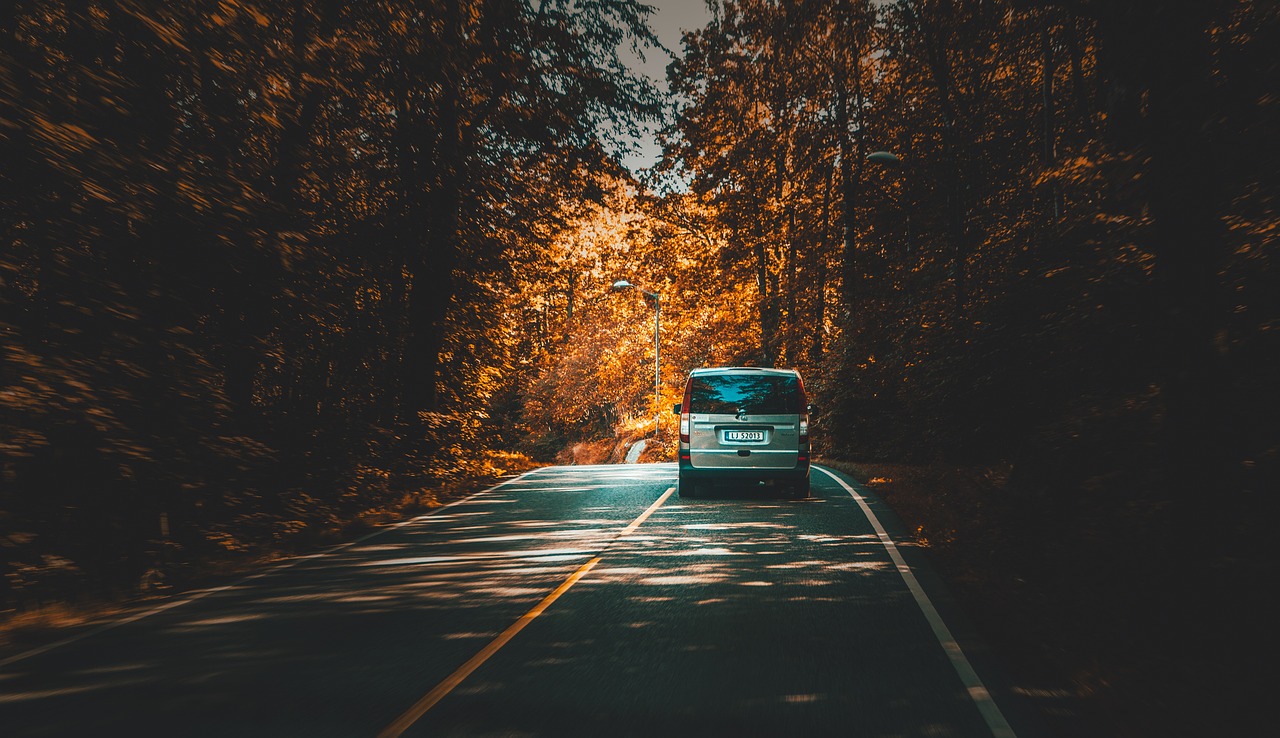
x: 429, y: 700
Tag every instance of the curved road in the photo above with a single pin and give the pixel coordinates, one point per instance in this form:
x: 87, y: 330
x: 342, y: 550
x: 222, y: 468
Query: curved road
x: 549, y: 605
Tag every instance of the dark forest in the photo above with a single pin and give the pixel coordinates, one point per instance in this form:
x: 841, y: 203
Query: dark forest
x: 275, y: 272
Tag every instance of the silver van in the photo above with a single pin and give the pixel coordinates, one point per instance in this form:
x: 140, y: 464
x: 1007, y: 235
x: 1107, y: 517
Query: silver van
x: 746, y: 425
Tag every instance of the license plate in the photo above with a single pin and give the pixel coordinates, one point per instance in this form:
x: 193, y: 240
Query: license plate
x: 744, y: 435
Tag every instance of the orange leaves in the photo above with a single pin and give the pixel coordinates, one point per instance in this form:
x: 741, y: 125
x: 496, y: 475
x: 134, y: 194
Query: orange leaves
x: 162, y: 24
x: 64, y: 145
x: 229, y: 11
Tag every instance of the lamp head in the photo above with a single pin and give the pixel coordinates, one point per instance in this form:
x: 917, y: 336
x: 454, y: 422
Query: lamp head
x: 885, y: 158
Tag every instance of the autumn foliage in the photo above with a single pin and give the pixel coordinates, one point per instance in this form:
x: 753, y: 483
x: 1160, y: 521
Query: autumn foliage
x: 261, y: 268
x: 269, y: 267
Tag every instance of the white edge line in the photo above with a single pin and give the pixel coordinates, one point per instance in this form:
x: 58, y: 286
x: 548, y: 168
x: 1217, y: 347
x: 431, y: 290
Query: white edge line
x: 995, y: 719
x: 287, y: 563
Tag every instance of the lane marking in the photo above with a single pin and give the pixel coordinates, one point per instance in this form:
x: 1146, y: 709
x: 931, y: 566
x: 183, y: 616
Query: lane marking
x: 640, y: 520
x: 977, y: 691
x: 286, y: 564
x: 428, y: 701
x: 437, y: 693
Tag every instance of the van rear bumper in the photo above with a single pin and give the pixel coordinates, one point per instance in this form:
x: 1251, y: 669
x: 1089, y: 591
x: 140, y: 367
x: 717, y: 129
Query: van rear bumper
x: 688, y: 471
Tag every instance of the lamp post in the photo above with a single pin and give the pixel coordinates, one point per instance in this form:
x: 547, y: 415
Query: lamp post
x: 621, y: 286
x: 890, y: 160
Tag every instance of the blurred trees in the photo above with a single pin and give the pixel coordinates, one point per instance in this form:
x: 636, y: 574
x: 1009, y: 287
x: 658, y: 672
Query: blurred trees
x: 1071, y: 276
x: 255, y: 252
x: 1061, y: 235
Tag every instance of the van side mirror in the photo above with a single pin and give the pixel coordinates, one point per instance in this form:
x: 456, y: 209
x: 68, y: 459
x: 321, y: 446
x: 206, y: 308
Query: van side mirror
x: 675, y: 410
x: 813, y: 411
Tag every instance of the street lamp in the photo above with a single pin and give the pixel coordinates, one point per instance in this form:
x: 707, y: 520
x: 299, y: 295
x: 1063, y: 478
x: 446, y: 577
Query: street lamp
x: 884, y: 157
x: 621, y: 286
x: 890, y: 160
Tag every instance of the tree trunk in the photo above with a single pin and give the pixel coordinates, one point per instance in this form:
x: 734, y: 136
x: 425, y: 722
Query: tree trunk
x: 434, y: 249
x: 1046, y: 101
x: 849, y: 196
x: 816, y: 347
x: 767, y: 308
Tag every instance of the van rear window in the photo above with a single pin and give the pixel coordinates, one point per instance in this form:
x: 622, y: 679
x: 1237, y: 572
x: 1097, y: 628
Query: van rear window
x: 753, y: 394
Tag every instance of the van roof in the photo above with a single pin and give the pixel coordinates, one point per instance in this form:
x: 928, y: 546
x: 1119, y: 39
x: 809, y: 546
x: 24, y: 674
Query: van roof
x: 744, y: 369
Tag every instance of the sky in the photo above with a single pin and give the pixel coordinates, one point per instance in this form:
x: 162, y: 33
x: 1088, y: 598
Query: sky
x: 668, y: 20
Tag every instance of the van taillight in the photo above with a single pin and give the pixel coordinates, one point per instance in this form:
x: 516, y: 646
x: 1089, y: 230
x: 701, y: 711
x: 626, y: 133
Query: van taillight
x: 804, y: 412
x: 684, y: 411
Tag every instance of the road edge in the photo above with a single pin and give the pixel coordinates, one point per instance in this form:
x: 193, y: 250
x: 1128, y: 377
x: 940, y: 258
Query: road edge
x: 1003, y: 708
x: 186, y: 598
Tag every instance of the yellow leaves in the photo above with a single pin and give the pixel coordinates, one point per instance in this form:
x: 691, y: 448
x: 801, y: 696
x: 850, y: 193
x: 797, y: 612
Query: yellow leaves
x: 367, y: 298
x: 229, y: 10
x: 1255, y: 232
x: 218, y: 60
x: 67, y: 136
x: 268, y: 116
x: 231, y: 6
x: 188, y: 190
x: 1076, y: 170
x: 165, y: 28
x: 227, y: 542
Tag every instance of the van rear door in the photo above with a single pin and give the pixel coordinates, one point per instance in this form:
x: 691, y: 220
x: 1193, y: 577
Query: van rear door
x: 744, y: 419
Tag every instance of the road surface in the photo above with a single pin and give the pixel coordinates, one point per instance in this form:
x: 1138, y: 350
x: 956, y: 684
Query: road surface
x: 585, y: 601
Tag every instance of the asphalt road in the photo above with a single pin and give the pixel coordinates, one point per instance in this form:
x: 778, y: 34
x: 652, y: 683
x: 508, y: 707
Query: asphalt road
x: 734, y: 615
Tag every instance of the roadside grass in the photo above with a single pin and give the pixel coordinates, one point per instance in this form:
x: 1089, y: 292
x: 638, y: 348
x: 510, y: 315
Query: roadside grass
x: 48, y: 619
x: 1111, y: 621
x: 28, y: 627
x: 613, y: 449
x: 661, y: 449
x: 586, y: 453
